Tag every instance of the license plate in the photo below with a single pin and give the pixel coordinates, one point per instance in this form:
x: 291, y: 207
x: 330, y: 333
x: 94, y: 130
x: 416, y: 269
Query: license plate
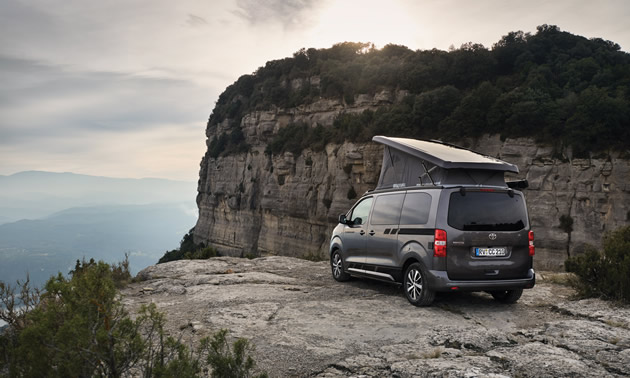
x: 491, y: 252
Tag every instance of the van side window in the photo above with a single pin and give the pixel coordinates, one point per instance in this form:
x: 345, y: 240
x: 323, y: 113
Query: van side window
x: 361, y: 212
x: 416, y: 208
x: 387, y: 209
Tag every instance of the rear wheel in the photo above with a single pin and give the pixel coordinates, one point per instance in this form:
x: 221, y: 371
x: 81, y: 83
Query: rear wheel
x: 336, y: 264
x: 416, y: 286
x: 507, y: 296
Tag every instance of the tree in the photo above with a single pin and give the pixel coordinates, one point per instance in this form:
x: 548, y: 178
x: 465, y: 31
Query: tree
x: 79, y: 328
x: 560, y: 88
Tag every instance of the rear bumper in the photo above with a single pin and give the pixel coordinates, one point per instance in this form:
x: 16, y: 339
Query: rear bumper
x: 439, y: 281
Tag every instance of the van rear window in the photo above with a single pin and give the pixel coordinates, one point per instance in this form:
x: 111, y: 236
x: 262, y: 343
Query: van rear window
x: 487, y: 211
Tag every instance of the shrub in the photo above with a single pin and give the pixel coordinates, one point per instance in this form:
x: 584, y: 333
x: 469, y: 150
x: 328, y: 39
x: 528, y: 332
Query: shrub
x: 313, y: 256
x: 78, y: 327
x: 205, y: 253
x: 119, y: 271
x: 163, y: 356
x: 226, y: 362
x: 187, y: 250
x: 604, y: 274
x: 228, y: 143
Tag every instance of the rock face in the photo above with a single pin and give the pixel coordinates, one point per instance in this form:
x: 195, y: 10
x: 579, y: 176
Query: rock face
x: 303, y: 323
x: 254, y: 203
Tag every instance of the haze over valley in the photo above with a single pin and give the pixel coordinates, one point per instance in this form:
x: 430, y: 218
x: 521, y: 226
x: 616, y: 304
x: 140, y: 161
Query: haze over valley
x: 49, y: 220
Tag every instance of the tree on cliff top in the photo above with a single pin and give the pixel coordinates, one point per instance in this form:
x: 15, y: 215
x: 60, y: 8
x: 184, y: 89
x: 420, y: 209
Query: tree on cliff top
x: 560, y: 88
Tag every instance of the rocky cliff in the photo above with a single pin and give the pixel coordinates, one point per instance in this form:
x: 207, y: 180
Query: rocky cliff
x: 258, y: 203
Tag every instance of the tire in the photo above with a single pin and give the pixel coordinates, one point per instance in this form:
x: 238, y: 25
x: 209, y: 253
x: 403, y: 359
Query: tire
x: 416, y: 286
x: 507, y: 296
x: 336, y: 265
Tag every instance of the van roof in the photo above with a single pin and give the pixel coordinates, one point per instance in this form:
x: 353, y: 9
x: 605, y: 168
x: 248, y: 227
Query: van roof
x: 445, y: 155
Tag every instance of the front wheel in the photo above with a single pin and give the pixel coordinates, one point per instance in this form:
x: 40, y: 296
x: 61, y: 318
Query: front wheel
x: 416, y: 286
x: 336, y: 264
x: 507, y: 296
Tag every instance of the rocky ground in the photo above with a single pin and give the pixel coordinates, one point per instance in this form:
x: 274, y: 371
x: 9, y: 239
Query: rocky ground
x: 304, y: 323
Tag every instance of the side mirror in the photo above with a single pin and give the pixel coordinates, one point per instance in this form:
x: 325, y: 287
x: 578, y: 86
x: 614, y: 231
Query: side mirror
x: 342, y: 219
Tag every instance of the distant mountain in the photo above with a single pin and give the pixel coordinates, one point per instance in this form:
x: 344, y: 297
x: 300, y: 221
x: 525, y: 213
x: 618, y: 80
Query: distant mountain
x: 36, y: 194
x: 46, y: 246
x: 48, y: 220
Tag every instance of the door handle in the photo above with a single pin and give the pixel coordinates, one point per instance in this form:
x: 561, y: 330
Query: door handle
x: 362, y: 232
x: 371, y: 232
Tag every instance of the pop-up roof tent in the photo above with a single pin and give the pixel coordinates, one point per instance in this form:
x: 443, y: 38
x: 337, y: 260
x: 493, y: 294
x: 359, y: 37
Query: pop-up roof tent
x: 411, y: 162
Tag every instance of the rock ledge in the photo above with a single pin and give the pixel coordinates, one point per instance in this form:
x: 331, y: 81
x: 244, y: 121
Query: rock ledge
x: 304, y: 323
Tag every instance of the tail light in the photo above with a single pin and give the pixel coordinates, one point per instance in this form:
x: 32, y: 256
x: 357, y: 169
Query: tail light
x: 439, y: 244
x: 532, y: 249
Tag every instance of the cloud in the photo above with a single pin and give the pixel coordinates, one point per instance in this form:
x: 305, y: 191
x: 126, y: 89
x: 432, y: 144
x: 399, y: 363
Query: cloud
x: 51, y: 114
x: 194, y: 20
x: 288, y: 12
x: 34, y: 92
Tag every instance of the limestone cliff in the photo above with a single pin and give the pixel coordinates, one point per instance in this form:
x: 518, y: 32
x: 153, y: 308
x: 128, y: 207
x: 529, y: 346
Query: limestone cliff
x: 287, y: 205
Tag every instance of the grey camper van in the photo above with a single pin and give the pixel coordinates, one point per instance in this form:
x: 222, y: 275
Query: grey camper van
x: 441, y: 219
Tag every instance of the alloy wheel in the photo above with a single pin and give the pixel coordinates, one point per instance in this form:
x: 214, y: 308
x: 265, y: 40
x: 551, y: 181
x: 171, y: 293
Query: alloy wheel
x: 414, y: 284
x: 337, y: 265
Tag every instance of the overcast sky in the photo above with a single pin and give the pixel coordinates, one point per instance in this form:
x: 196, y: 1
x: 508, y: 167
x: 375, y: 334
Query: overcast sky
x: 124, y: 88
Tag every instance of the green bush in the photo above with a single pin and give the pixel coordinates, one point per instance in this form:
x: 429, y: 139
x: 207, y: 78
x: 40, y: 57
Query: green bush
x: 604, y: 274
x: 189, y: 250
x: 78, y: 327
x: 228, y: 144
x: 201, y: 254
x: 229, y: 362
x: 120, y: 270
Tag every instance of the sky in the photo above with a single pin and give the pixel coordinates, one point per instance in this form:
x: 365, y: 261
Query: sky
x: 124, y: 88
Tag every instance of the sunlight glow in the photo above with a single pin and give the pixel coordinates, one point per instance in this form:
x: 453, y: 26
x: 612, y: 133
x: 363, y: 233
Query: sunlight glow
x: 373, y: 21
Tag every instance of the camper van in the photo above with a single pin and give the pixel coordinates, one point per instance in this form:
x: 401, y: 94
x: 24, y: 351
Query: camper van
x: 441, y: 219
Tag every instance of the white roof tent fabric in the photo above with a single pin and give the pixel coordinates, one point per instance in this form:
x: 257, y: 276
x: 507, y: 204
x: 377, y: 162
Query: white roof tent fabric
x: 411, y: 162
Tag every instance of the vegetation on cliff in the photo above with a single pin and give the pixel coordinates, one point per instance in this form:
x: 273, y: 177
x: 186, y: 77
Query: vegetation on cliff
x: 560, y: 88
x: 78, y: 327
x: 188, y: 250
x: 604, y: 273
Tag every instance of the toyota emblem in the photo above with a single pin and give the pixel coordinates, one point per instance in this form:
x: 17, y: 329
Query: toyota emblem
x: 492, y: 236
